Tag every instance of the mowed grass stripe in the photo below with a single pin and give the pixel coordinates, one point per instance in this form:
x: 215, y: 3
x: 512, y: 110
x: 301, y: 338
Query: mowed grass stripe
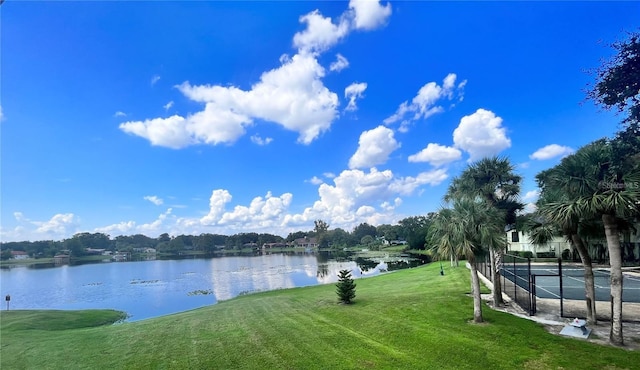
x: 410, y: 319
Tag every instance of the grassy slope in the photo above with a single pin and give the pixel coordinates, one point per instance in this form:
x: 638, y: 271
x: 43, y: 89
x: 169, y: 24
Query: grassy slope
x: 407, y: 319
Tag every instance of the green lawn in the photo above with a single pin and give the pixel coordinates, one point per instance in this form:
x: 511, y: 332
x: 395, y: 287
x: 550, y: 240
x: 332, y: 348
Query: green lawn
x: 409, y: 319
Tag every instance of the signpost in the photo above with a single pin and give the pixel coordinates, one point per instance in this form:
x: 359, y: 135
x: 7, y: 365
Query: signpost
x: 7, y: 298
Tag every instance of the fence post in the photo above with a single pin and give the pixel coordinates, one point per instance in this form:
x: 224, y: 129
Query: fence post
x: 529, y: 283
x: 534, y: 309
x: 515, y: 281
x: 561, y: 292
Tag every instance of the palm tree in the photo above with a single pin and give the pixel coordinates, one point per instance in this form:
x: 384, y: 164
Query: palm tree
x: 597, y: 186
x: 494, y: 181
x: 468, y: 228
x: 553, y: 191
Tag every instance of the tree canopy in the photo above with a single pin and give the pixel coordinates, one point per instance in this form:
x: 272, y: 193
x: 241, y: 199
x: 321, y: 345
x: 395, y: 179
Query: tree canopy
x: 618, y: 80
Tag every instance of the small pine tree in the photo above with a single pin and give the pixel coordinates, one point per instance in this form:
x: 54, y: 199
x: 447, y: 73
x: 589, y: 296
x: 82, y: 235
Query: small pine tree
x: 346, y: 287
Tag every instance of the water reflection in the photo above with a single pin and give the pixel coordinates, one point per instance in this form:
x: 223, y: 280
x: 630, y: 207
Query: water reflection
x: 153, y: 288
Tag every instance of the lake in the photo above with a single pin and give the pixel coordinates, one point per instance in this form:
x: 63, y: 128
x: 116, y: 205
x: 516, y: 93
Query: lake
x: 146, y: 289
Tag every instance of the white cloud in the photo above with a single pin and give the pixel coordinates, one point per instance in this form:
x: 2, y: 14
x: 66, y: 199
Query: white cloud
x: 156, y: 227
x: 155, y: 79
x: 425, y: 103
x: 329, y: 175
x: 437, y: 155
x: 261, y: 211
x: 529, y: 208
x: 217, y: 203
x: 119, y: 114
x: 351, y: 198
x: 551, y: 151
x: 369, y: 14
x: 530, y: 199
x: 171, y: 132
x: 321, y: 33
x: 407, y: 185
x: 531, y: 196
x: 256, y: 139
x: 292, y: 95
x: 315, y: 180
x: 121, y: 228
x: 374, y: 148
x: 340, y: 64
x: 1, y: 114
x: 154, y: 199
x: 168, y: 105
x: 59, y: 224
x: 481, y: 134
x: 353, y: 92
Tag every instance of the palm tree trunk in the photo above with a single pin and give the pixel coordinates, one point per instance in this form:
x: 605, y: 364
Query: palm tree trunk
x: 477, y: 299
x: 589, y: 285
x: 495, y: 277
x: 615, y: 263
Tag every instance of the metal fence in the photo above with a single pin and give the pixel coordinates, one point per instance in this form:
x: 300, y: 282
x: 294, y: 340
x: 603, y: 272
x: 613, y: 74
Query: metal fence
x: 554, y: 289
x: 516, y: 280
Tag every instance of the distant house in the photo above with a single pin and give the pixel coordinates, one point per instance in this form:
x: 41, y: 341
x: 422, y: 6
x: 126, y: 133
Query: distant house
x: 273, y: 245
x: 19, y: 255
x: 393, y: 242
x: 250, y: 245
x: 306, y: 242
x: 520, y: 242
x: 144, y: 250
x: 60, y: 259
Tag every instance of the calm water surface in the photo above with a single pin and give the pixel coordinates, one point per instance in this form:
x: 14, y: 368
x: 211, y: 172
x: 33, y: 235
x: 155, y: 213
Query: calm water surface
x: 146, y: 289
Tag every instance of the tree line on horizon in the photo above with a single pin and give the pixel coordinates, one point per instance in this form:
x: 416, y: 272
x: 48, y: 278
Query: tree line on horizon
x: 411, y: 231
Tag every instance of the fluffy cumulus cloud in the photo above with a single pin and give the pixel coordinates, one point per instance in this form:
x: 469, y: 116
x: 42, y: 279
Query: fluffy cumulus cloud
x: 217, y: 203
x: 353, y: 92
x: 59, y: 226
x: 426, y: 102
x: 340, y: 63
x: 437, y: 155
x: 481, y: 134
x: 154, y: 199
x: 353, y: 197
x: 551, y: 151
x: 321, y: 33
x: 292, y: 95
x: 261, y: 212
x: 369, y: 14
x: 374, y: 148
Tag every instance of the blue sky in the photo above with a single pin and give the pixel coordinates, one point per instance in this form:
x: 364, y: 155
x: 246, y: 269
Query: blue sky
x: 228, y: 117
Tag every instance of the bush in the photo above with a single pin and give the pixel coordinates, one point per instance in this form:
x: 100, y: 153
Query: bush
x: 546, y: 254
x: 346, y: 287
